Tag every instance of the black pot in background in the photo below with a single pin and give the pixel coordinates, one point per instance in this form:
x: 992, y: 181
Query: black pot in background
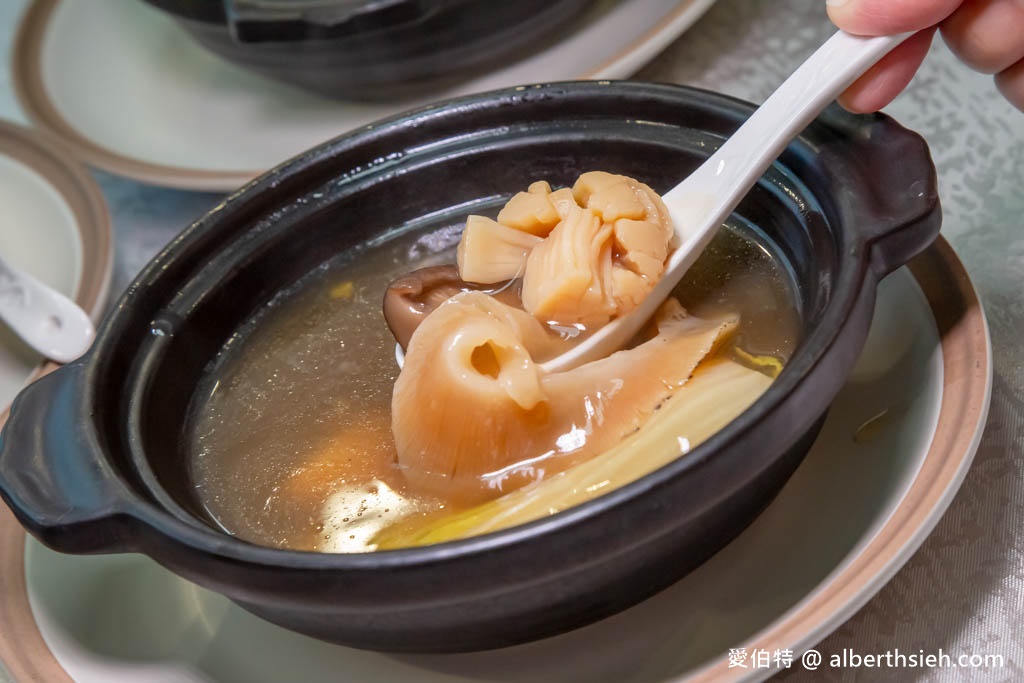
x: 370, y: 49
x: 94, y: 459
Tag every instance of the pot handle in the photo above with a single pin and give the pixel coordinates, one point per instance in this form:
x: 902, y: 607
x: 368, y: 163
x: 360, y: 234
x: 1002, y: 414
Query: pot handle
x: 53, y: 474
x: 888, y: 189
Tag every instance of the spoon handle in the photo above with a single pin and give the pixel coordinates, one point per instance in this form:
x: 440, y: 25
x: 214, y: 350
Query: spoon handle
x: 719, y: 183
x: 44, y: 318
x: 701, y: 203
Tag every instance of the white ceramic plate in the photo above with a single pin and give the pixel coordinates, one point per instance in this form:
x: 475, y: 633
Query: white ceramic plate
x: 54, y: 225
x: 130, y: 91
x: 896, y: 445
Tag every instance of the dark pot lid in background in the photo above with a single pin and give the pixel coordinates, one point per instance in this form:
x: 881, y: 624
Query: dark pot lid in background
x: 253, y: 21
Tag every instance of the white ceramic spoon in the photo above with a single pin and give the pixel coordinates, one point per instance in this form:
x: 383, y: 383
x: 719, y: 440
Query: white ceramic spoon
x: 700, y: 204
x: 45, y: 319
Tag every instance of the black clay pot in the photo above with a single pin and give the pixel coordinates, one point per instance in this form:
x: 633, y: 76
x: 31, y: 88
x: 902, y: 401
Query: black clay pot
x: 93, y: 457
x: 370, y: 49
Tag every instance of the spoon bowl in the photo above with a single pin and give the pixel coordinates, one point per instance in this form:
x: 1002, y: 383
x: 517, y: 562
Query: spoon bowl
x: 42, y: 317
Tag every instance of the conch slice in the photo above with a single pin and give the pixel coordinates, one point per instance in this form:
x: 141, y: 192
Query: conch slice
x: 718, y: 392
x: 567, y: 275
x: 531, y: 211
x: 490, y: 252
x: 474, y: 416
x: 591, y: 252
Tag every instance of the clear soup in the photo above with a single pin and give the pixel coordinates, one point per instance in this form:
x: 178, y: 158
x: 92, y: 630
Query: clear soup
x: 291, y: 442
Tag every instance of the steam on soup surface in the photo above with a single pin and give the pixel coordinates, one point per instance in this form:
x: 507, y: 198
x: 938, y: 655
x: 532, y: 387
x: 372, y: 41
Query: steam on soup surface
x: 292, y: 441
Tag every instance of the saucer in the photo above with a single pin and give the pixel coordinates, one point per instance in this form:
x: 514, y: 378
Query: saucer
x: 897, y: 443
x: 130, y: 92
x: 53, y: 225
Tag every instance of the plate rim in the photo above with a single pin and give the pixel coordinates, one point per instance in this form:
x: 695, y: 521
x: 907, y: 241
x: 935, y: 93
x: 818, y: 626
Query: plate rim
x: 967, y: 362
x: 30, y: 91
x: 675, y: 23
x: 967, y: 365
x: 52, y: 160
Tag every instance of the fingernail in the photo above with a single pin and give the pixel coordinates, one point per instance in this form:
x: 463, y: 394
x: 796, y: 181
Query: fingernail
x: 836, y: 3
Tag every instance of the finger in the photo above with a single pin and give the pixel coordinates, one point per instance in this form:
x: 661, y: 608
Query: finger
x: 884, y: 17
x: 1011, y: 84
x: 886, y: 79
x: 988, y: 35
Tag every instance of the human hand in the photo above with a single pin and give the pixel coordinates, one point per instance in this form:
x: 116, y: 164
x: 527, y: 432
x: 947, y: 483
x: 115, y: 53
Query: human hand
x: 987, y: 35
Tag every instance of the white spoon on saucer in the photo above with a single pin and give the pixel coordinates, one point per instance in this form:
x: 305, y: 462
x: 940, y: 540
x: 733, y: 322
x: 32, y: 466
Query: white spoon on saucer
x: 44, y: 318
x: 700, y: 204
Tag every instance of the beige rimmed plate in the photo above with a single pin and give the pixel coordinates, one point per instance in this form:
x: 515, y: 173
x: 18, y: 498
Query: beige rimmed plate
x: 54, y: 224
x: 127, y: 89
x: 897, y: 443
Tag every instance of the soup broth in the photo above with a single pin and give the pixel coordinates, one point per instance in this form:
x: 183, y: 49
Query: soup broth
x: 291, y: 435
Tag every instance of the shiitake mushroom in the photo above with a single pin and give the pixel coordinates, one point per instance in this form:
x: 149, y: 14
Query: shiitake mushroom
x: 411, y: 297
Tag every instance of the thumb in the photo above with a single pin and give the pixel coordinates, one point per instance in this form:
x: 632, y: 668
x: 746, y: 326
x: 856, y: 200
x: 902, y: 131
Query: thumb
x: 884, y: 17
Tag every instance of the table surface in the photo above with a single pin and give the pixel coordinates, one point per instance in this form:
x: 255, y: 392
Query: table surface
x: 963, y: 591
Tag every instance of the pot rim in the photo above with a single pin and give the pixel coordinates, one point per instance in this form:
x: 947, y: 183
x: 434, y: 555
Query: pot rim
x: 857, y: 279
